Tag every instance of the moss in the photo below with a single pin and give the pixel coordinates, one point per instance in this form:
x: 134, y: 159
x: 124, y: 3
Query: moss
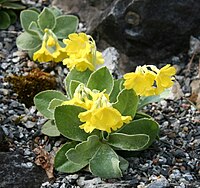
x: 28, y: 86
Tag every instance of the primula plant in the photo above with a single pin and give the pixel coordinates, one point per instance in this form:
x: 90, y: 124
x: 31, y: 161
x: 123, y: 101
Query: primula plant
x: 7, y: 12
x: 44, y: 32
x: 98, y: 114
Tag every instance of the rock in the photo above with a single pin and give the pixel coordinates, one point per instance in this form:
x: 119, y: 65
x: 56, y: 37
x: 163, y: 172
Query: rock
x: 158, y: 182
x: 18, y: 172
x: 87, y: 10
x: 111, y: 57
x: 148, y: 31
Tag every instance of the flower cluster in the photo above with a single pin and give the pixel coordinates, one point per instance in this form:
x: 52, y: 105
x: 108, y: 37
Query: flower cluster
x: 100, y: 114
x: 82, y: 54
x: 148, y: 80
x: 50, y: 50
x: 79, y: 52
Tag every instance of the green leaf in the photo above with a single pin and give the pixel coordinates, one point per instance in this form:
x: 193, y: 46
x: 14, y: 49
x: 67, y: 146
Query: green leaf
x: 73, y: 85
x: 127, y: 102
x: 105, y: 163
x: 63, y: 30
x: 128, y: 142
x: 67, y: 122
x: 115, y: 91
x: 5, y: 20
x: 31, y: 52
x: 34, y: 9
x: 123, y: 164
x: 2, y: 1
x: 57, y: 12
x: 15, y: 6
x: 54, y: 103
x: 43, y: 99
x: 77, y: 76
x: 33, y: 27
x: 62, y: 164
x: 142, y: 126
x: 101, y: 79
x: 26, y: 41
x: 13, y: 16
x: 26, y: 17
x: 46, y: 19
x: 150, y: 99
x: 50, y: 129
x: 140, y: 115
x: 84, y: 151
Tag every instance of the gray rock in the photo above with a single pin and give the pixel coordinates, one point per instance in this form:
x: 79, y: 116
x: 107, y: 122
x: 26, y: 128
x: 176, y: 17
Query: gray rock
x: 148, y: 31
x: 159, y: 182
x: 18, y: 172
x: 111, y: 57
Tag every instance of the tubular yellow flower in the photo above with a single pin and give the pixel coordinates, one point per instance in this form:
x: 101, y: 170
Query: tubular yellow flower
x: 50, y: 50
x: 100, y: 114
x: 81, y: 98
x: 104, y: 118
x: 147, y: 82
x: 141, y: 81
x: 82, y: 54
x: 78, y: 44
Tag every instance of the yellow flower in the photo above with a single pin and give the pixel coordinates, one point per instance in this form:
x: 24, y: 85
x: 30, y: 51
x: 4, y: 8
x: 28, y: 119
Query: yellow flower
x: 100, y: 114
x: 141, y: 81
x: 81, y: 98
x: 50, y: 50
x: 164, y: 78
x: 78, y: 44
x: 149, y: 80
x: 82, y: 54
x: 104, y: 118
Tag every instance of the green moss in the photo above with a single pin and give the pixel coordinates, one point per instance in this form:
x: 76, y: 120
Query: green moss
x: 28, y: 86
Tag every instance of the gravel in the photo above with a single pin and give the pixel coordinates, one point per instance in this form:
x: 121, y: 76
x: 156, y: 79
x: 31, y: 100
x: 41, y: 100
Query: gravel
x: 172, y: 161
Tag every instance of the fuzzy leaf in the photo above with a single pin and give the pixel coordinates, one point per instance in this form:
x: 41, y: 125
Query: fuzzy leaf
x: 62, y: 164
x: 127, y: 102
x: 142, y: 126
x: 150, y: 99
x: 105, y: 163
x: 101, y: 79
x: 43, y: 99
x: 77, y: 76
x: 33, y: 27
x: 12, y: 5
x: 57, y: 12
x: 5, y: 20
x: 26, y: 17
x: 25, y: 41
x: 13, y: 16
x: 115, y: 91
x: 67, y: 122
x: 140, y: 115
x: 50, y: 129
x: 128, y: 142
x: 84, y: 151
x: 63, y: 30
x: 123, y: 164
x: 73, y: 85
x: 46, y: 19
x: 54, y: 103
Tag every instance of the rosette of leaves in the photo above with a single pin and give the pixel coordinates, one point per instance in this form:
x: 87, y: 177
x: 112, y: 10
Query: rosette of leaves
x: 34, y: 24
x: 7, y: 12
x: 91, y: 149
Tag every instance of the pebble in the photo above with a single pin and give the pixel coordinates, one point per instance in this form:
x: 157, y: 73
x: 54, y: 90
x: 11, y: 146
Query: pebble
x: 158, y: 182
